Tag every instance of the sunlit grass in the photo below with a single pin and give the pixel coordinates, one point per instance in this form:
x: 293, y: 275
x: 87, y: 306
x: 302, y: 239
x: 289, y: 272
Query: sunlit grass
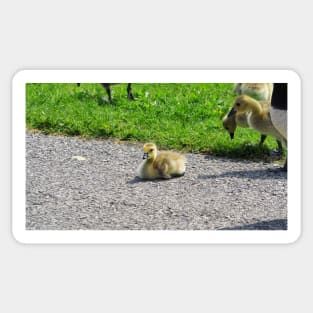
x: 184, y: 117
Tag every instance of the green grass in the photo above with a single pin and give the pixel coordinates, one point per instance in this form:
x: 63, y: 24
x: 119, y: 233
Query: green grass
x: 185, y: 117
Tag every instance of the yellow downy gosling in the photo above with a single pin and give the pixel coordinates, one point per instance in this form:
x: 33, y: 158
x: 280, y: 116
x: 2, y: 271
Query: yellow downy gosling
x: 160, y: 164
x: 258, y: 91
x: 258, y: 116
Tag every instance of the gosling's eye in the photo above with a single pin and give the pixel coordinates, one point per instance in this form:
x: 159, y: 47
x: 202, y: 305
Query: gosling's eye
x: 238, y: 104
x: 151, y: 150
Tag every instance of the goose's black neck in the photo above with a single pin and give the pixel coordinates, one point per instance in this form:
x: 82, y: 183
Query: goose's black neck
x: 280, y: 96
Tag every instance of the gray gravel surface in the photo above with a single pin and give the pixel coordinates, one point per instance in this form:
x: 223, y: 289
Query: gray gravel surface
x: 101, y: 192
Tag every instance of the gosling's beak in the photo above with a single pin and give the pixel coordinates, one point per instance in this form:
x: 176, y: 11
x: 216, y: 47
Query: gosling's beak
x: 231, y: 112
x: 231, y: 135
x: 145, y: 156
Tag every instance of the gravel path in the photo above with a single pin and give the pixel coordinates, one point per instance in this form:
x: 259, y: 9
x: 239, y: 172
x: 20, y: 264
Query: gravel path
x: 99, y: 191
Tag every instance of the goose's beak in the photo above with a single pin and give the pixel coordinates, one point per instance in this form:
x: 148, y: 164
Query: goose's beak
x: 231, y: 135
x: 145, y: 156
x: 231, y: 112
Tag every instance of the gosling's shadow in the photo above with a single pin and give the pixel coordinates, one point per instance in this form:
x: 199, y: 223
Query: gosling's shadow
x: 252, y: 174
x: 137, y: 180
x: 277, y: 224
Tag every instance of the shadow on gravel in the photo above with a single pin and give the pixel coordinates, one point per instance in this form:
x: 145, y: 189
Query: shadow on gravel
x: 135, y: 181
x: 252, y: 174
x: 140, y: 180
x: 279, y: 224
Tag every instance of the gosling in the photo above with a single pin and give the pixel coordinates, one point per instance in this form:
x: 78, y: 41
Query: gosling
x: 258, y: 116
x: 163, y: 164
x: 258, y: 91
x: 230, y: 123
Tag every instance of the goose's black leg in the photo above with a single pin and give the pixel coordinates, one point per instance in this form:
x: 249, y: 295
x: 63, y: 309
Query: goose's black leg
x: 285, y: 166
x: 129, y: 92
x: 279, y: 147
x: 106, y: 86
x: 263, y: 137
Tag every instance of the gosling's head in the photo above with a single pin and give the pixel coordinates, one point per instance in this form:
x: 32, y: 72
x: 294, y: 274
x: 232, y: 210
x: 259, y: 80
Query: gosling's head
x: 150, y: 151
x: 230, y: 125
x: 241, y: 105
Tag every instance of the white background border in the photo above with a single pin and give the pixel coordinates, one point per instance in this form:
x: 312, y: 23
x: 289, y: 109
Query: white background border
x: 152, y: 76
x: 151, y: 35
